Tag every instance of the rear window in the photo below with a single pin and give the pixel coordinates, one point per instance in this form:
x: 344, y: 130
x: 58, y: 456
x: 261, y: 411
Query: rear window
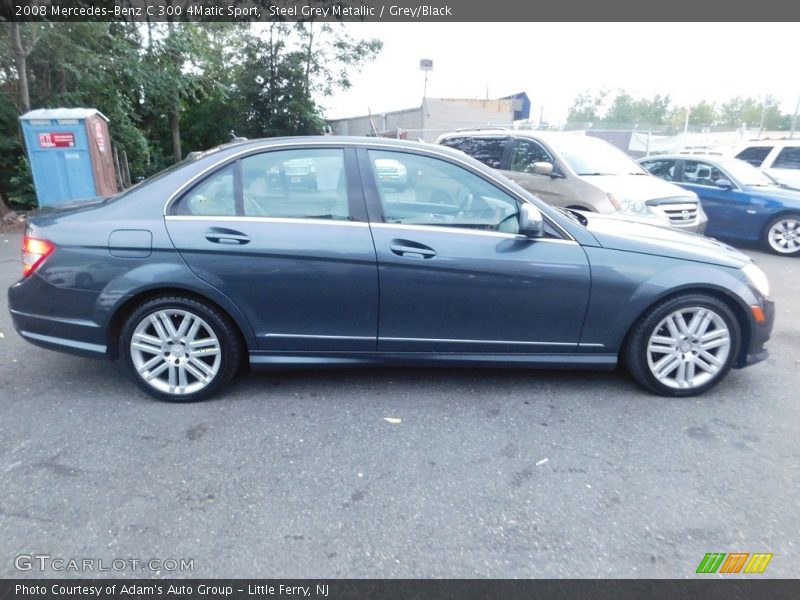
x: 789, y: 158
x: 755, y: 155
x: 488, y: 150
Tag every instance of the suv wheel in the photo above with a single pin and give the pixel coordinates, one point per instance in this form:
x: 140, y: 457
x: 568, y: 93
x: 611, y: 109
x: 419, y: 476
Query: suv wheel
x: 683, y: 346
x: 179, y: 349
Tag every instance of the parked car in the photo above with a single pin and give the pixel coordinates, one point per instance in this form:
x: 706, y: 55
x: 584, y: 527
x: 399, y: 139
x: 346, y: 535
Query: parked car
x: 742, y: 203
x: 359, y: 274
x: 392, y: 172
x: 581, y: 172
x: 779, y: 159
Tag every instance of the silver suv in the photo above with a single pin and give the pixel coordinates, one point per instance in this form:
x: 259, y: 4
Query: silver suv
x: 582, y: 172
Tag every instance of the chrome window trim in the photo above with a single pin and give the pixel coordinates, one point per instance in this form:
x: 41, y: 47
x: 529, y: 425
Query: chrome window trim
x: 286, y: 220
x: 497, y: 181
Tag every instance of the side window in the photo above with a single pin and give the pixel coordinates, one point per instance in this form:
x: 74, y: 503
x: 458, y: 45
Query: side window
x: 525, y: 153
x: 755, y: 155
x: 430, y: 191
x: 663, y: 168
x: 305, y: 183
x: 488, y: 150
x: 701, y: 173
x: 213, y: 196
x: 789, y: 158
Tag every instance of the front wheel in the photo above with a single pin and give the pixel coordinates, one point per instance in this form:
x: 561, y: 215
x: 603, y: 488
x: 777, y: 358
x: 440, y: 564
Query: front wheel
x: 782, y: 235
x: 683, y: 346
x: 180, y: 349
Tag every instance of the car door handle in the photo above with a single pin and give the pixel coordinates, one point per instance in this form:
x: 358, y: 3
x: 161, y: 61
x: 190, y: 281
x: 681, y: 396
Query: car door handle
x: 220, y: 235
x: 411, y: 249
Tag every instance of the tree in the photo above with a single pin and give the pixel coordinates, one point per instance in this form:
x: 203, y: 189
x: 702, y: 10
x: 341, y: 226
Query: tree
x: 702, y: 114
x: 173, y: 87
x: 586, y: 108
x: 625, y: 110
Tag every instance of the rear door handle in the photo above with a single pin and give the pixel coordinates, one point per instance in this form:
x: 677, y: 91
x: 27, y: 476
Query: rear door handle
x: 411, y: 249
x: 221, y: 235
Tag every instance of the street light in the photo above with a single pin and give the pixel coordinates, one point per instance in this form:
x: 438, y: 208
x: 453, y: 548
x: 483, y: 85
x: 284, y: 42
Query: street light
x: 425, y: 64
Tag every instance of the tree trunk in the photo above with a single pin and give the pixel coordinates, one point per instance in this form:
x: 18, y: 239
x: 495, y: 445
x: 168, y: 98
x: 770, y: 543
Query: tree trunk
x: 309, y: 55
x: 175, y: 110
x: 21, y: 62
x: 175, y: 129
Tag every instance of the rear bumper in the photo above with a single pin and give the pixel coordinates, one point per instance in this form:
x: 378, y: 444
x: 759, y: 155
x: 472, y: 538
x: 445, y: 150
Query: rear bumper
x: 56, y: 319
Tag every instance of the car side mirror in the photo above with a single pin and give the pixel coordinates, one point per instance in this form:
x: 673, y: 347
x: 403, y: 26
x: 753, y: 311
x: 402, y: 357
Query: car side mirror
x: 542, y: 168
x: 531, y: 223
x: 725, y: 184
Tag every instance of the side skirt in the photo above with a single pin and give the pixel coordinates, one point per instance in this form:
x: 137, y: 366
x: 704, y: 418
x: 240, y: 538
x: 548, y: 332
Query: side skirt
x: 267, y: 360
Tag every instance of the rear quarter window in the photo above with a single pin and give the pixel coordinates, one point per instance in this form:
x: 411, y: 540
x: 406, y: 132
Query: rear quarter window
x: 755, y: 155
x: 789, y: 158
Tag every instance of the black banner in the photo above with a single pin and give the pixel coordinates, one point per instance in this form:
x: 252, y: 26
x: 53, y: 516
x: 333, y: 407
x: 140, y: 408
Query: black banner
x: 402, y: 589
x: 396, y: 10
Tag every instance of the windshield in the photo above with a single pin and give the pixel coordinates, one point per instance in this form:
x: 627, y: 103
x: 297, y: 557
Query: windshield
x: 592, y: 156
x: 747, y: 174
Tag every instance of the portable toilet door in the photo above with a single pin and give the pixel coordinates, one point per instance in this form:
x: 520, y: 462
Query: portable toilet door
x: 69, y: 150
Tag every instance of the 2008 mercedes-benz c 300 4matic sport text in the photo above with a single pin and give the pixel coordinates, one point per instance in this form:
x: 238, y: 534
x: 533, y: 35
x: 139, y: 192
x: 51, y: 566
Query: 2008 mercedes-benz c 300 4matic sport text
x: 230, y: 258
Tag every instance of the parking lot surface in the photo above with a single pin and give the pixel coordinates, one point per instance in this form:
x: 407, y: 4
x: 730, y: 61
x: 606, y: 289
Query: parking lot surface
x: 477, y: 473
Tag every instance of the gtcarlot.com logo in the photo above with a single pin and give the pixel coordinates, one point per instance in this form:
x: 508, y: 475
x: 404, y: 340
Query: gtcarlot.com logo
x: 734, y: 562
x: 46, y: 562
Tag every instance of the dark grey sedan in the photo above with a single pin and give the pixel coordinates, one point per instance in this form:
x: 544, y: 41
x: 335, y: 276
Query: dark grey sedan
x: 235, y: 256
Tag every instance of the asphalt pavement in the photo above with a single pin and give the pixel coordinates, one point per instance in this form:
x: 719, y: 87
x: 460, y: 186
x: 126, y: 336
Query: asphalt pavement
x: 477, y: 473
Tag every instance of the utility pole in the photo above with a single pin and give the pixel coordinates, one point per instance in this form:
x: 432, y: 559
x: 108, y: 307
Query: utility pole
x: 425, y: 64
x: 763, y: 116
x: 794, y: 118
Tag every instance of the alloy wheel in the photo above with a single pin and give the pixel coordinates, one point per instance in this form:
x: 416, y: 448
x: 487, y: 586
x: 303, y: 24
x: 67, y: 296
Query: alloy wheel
x: 688, y: 347
x: 783, y: 236
x: 175, y: 351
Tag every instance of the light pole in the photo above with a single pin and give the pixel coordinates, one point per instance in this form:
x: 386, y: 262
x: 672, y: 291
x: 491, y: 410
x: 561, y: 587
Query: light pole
x: 425, y: 64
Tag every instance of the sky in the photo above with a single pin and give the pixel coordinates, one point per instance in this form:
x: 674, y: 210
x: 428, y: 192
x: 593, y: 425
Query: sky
x: 554, y: 62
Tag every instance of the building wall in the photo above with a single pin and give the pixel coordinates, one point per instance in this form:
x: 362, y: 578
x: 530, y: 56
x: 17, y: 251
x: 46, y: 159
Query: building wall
x: 441, y: 115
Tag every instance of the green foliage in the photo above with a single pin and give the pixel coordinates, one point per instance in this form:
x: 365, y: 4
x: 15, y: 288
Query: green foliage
x: 21, y: 182
x: 626, y: 111
x: 586, y: 108
x: 216, y: 77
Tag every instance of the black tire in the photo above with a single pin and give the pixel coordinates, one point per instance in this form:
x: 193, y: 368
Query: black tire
x: 689, y: 351
x: 782, y: 235
x: 178, y: 360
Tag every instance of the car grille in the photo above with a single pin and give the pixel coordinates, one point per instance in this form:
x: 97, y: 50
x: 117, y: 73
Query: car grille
x: 680, y: 215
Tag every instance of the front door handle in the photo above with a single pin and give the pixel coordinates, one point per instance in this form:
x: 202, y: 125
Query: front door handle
x: 410, y: 249
x: 231, y: 237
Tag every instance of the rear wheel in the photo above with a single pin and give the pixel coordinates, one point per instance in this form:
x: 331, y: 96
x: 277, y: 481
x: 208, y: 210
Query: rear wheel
x: 683, y: 346
x: 180, y: 349
x: 782, y: 235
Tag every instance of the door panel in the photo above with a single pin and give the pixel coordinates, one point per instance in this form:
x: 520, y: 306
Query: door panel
x: 455, y: 277
x: 479, y: 292
x: 557, y: 191
x: 729, y: 210
x: 275, y: 233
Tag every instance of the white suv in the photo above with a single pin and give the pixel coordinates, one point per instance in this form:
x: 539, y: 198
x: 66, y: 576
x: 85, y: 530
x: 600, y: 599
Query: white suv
x: 778, y: 158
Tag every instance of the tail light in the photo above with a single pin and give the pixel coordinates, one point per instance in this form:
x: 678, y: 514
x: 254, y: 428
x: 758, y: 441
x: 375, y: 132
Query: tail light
x: 34, y: 251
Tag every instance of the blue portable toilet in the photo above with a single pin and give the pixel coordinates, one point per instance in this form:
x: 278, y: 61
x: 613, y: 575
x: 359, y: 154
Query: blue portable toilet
x: 70, y: 154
